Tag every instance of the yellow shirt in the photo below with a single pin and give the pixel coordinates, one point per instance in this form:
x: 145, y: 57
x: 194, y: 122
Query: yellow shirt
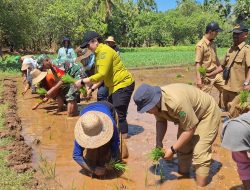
x: 239, y: 69
x: 110, y: 68
x: 205, y: 54
x: 185, y: 105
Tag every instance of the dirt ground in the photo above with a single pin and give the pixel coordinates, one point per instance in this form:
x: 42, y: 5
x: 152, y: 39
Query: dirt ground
x: 51, y: 136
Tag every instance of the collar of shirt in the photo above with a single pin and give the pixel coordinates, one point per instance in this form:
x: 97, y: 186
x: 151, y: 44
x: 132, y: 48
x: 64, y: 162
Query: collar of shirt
x: 207, y: 41
x: 98, y: 49
x: 241, y: 45
x: 163, y: 103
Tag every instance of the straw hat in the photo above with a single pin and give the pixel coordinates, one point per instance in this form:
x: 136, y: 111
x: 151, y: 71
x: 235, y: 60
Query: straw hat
x: 25, y: 66
x: 85, y: 53
x: 93, y: 129
x: 110, y: 39
x: 37, y: 76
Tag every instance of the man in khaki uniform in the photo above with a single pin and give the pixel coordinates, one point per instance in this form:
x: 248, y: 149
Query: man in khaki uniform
x: 238, y: 56
x: 238, y: 59
x: 197, y: 115
x: 205, y: 56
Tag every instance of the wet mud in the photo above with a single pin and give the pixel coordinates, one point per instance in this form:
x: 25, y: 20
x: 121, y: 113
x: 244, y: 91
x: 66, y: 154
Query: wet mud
x: 51, y: 136
x: 20, y: 155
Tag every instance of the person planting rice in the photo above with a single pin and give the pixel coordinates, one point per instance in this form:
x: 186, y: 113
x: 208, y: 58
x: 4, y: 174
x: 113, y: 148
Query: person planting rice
x: 236, y: 137
x: 97, y: 141
x: 66, y: 88
x: 111, y: 70
x: 198, y: 117
x: 87, y: 59
x: 206, y: 62
x: 27, y: 66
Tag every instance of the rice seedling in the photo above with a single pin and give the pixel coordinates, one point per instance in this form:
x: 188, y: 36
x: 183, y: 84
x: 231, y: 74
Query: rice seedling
x: 117, y: 165
x: 243, y: 95
x: 41, y: 91
x: 179, y: 75
x: 156, y: 154
x: 83, y: 90
x: 202, y: 71
x: 67, y: 79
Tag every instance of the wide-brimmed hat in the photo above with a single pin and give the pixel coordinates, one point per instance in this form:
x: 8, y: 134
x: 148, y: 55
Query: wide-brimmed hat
x: 25, y: 66
x: 110, y: 39
x: 239, y: 28
x: 93, y: 129
x: 85, y: 53
x: 146, y: 97
x: 87, y: 37
x: 37, y: 76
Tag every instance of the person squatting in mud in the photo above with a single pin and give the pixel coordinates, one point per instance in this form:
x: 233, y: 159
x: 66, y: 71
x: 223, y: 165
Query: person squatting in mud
x: 97, y: 139
x: 111, y: 70
x: 198, y: 117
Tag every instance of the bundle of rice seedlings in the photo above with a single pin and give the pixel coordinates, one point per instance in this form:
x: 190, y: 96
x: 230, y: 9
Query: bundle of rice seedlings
x: 179, y: 75
x: 83, y: 90
x: 68, y: 79
x: 156, y: 154
x: 243, y: 98
x: 41, y: 91
x: 117, y: 165
x: 202, y: 71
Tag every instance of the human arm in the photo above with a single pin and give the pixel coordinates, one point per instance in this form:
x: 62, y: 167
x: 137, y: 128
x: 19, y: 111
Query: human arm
x: 54, y: 89
x: 184, y: 138
x: 161, y: 129
x: 247, y: 80
x: 78, y: 157
x: 198, y: 64
x: 215, y: 72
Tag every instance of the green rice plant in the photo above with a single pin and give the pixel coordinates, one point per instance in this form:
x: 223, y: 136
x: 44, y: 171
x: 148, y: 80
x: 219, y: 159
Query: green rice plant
x: 83, y: 90
x: 179, y: 75
x: 41, y: 91
x: 68, y: 79
x: 244, y: 94
x: 156, y: 154
x: 202, y: 70
x: 117, y: 165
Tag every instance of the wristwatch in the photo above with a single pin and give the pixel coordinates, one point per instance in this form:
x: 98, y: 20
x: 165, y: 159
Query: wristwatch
x: 173, y: 150
x: 82, y: 83
x: 92, y: 90
x: 246, y: 83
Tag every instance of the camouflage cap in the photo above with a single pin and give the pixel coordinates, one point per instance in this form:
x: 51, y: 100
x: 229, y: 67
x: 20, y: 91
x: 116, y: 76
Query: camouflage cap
x: 40, y: 59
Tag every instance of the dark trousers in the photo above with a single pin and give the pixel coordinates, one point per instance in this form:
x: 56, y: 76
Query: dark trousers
x: 102, y: 93
x: 120, y: 100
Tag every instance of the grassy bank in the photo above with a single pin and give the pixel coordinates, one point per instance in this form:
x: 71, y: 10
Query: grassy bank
x: 9, y: 179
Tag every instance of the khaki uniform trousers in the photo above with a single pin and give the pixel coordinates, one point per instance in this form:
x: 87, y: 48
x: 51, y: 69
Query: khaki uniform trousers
x: 218, y: 82
x: 198, y: 150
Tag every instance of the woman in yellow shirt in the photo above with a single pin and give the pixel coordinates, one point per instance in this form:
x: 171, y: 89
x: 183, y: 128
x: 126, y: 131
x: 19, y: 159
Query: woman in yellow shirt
x: 110, y: 69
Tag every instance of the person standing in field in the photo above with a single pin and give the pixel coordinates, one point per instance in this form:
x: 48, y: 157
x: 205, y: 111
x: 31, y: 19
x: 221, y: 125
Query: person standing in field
x: 111, y: 70
x: 206, y: 62
x: 198, y: 117
x: 110, y: 41
x: 66, y: 53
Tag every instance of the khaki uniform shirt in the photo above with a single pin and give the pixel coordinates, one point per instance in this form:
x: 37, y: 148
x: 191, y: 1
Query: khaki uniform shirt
x: 185, y: 105
x: 205, y: 54
x: 239, y: 69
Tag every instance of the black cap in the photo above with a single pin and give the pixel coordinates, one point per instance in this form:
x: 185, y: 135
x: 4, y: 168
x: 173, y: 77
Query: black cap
x: 239, y: 28
x: 87, y: 37
x: 214, y: 26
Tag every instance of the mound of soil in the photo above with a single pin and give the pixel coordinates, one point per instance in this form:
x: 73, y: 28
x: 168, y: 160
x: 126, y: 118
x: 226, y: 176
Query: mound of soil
x: 20, y: 155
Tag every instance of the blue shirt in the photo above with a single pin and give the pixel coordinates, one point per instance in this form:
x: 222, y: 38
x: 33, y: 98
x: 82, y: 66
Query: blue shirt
x: 115, y: 141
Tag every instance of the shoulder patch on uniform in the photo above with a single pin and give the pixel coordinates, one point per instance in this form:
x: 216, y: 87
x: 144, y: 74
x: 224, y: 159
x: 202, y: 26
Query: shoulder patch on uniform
x: 182, y: 114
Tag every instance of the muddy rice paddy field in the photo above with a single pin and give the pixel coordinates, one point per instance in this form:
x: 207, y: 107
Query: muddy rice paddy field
x: 51, y: 136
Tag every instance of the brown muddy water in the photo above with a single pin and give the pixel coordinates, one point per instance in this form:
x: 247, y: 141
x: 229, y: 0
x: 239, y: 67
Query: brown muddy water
x: 55, y: 133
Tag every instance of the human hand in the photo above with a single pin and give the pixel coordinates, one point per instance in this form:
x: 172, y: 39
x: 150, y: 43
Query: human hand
x: 78, y: 83
x: 246, y: 88
x: 89, y: 94
x: 168, y: 155
x: 199, y: 84
x: 99, y: 171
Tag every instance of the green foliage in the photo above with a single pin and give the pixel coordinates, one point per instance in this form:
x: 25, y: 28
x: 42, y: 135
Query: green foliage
x: 83, y: 90
x: 244, y: 94
x: 67, y: 79
x: 156, y: 154
x: 202, y: 71
x: 41, y: 91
